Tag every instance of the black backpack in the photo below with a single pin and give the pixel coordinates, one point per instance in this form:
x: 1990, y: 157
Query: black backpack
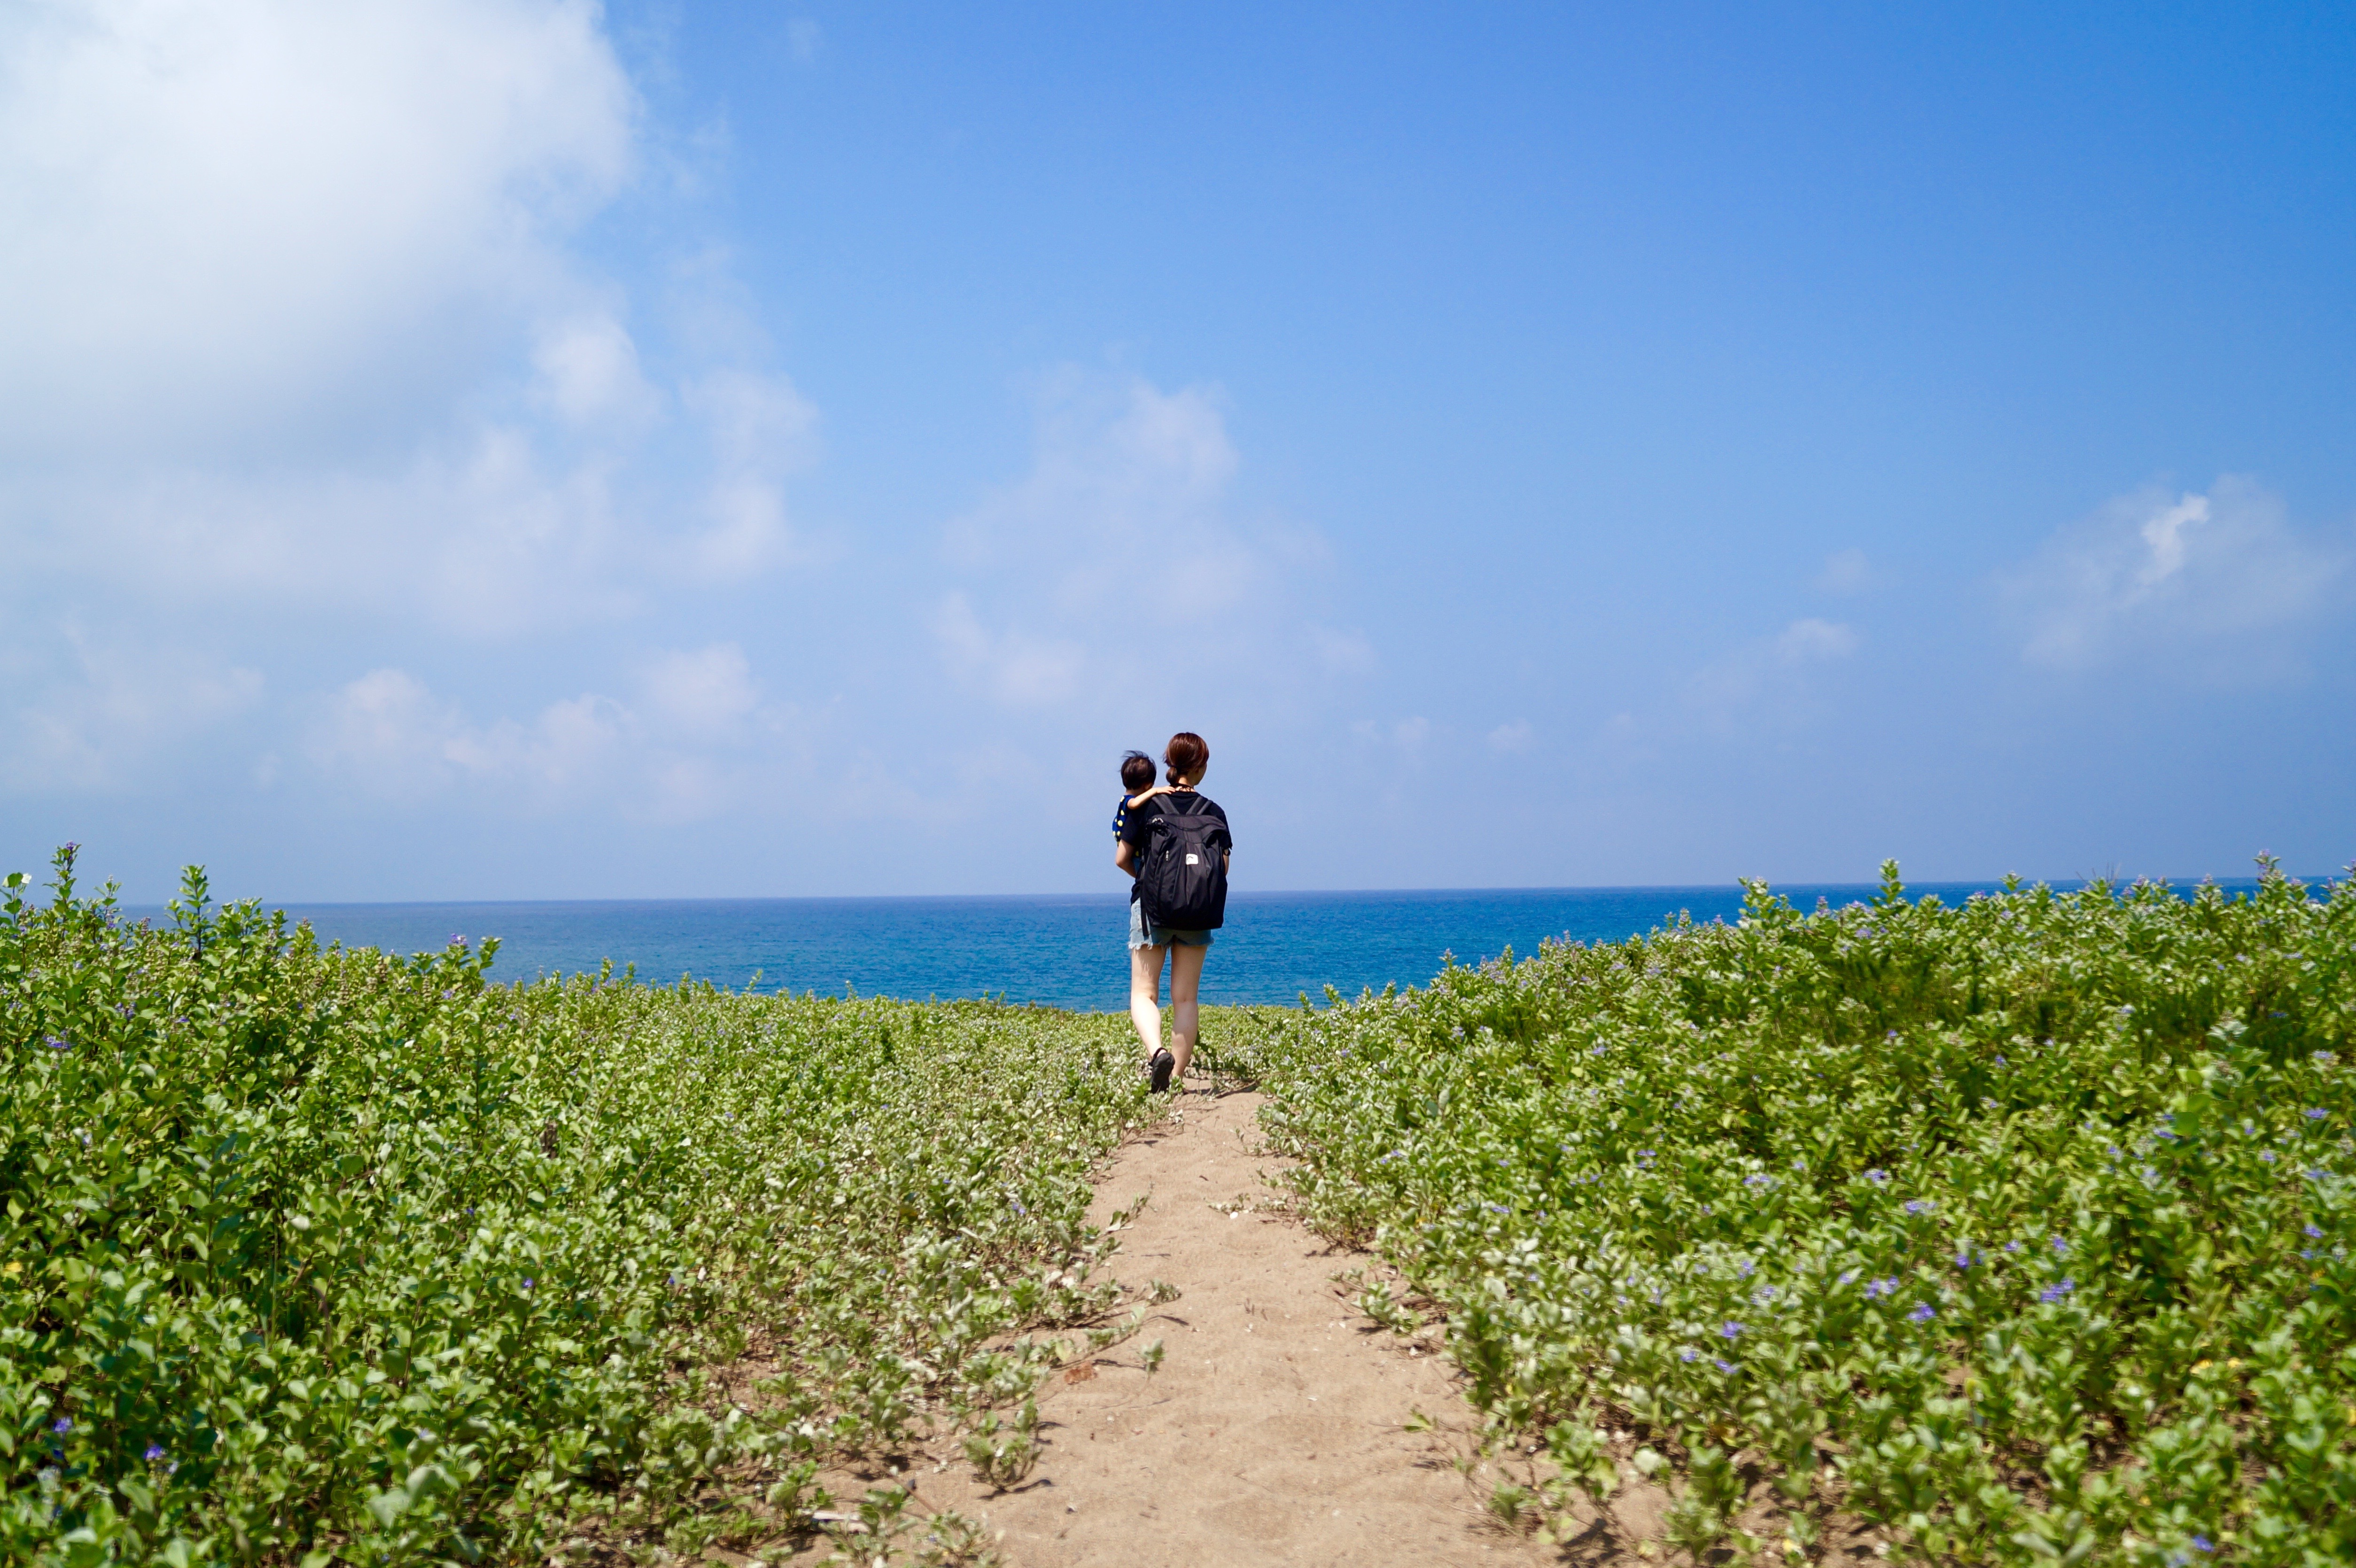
x: 1185, y: 879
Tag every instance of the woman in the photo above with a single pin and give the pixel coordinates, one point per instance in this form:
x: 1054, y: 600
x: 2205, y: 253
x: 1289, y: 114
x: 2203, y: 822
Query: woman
x: 1181, y: 817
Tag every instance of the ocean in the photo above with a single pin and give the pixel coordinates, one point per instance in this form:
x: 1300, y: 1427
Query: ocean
x: 1064, y: 951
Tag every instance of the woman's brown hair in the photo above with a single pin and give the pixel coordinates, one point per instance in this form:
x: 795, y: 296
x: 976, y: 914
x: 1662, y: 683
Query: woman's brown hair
x: 1186, y: 754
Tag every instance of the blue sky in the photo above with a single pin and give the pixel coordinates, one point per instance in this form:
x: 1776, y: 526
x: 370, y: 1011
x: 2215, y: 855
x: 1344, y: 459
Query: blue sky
x: 515, y: 449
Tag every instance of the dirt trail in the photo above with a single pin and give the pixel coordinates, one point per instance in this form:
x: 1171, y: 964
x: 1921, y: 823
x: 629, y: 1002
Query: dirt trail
x: 1273, y: 1430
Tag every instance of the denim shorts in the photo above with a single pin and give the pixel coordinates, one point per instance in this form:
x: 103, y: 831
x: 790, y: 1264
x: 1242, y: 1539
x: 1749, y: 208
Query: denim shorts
x: 1143, y: 933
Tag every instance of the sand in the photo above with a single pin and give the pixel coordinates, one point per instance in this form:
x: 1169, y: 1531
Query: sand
x: 1274, y: 1429
x: 1277, y: 1428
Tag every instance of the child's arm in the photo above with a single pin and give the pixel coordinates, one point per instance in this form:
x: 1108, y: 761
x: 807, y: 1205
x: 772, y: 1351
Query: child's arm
x: 1137, y: 800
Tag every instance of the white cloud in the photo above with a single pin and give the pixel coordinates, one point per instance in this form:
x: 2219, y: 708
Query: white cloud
x: 698, y: 741
x: 1511, y: 738
x: 1847, y: 571
x: 1342, y: 653
x: 589, y: 373
x: 1122, y: 506
x: 87, y: 714
x: 485, y: 538
x: 762, y: 430
x: 708, y: 691
x: 293, y: 325
x: 1407, y: 734
x: 1124, y: 536
x: 1769, y: 682
x: 803, y: 40
x: 1806, y: 641
x: 235, y: 217
x: 2213, y: 585
x: 387, y: 733
x: 1012, y: 666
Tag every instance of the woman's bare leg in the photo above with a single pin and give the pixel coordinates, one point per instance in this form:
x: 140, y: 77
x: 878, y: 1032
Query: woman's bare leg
x: 1185, y: 1018
x: 1145, y: 997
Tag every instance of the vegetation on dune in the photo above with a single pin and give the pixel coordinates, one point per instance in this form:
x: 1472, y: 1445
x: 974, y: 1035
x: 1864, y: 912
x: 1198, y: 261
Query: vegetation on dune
x: 314, y: 1254
x: 2020, y: 1228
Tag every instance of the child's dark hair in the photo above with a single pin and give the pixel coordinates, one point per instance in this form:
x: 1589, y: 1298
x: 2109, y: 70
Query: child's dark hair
x: 1136, y: 772
x: 1187, y: 753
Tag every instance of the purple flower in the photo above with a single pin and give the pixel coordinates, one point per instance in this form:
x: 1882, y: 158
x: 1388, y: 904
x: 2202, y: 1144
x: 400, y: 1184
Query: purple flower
x: 1878, y: 1177
x: 1017, y: 1201
x: 1918, y: 1205
x: 1723, y: 1366
x: 1497, y: 1209
x: 2012, y: 1246
x: 1963, y: 1257
x: 1877, y: 1288
x: 1688, y: 1354
x: 1744, y: 1271
x: 2053, y: 1292
x: 2313, y: 1230
x: 2268, y: 1154
x: 58, y: 1042
x: 62, y: 1425
x: 2061, y: 1247
x: 2202, y: 1543
x: 1758, y: 1181
x: 2315, y: 1114
x: 1731, y: 1332
x: 1847, y: 1274
x: 456, y: 941
x: 155, y: 1452
x: 1924, y: 1314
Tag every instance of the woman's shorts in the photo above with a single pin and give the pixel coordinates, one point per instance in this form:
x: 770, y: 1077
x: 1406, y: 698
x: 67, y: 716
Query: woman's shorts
x: 1143, y: 933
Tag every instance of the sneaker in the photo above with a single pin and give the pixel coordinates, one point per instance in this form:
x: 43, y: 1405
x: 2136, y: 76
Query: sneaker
x: 1163, y: 1065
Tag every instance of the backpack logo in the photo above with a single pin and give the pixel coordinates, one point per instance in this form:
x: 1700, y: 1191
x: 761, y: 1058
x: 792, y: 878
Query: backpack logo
x: 1194, y: 860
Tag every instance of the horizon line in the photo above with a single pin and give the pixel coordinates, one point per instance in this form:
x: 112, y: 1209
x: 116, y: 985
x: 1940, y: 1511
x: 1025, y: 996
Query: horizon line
x: 1927, y: 885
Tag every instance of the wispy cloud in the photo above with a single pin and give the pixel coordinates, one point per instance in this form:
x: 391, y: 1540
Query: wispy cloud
x: 219, y: 212
x: 298, y: 329
x: 1847, y: 571
x: 1013, y: 667
x: 89, y: 714
x: 1124, y: 540
x: 2216, y: 586
x: 1768, y: 682
x: 699, y: 740
x: 1512, y: 738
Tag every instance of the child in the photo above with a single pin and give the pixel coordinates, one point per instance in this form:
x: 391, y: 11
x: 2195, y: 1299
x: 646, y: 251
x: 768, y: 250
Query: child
x: 1137, y: 787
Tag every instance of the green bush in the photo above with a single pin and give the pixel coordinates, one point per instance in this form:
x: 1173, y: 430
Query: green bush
x: 313, y: 1254
x: 2021, y: 1228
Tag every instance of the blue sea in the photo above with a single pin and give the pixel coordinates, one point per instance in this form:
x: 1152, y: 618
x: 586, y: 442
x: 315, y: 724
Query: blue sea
x: 1064, y: 950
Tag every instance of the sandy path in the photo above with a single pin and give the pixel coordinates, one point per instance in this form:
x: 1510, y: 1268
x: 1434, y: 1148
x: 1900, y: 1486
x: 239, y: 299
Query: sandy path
x: 1272, y: 1433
